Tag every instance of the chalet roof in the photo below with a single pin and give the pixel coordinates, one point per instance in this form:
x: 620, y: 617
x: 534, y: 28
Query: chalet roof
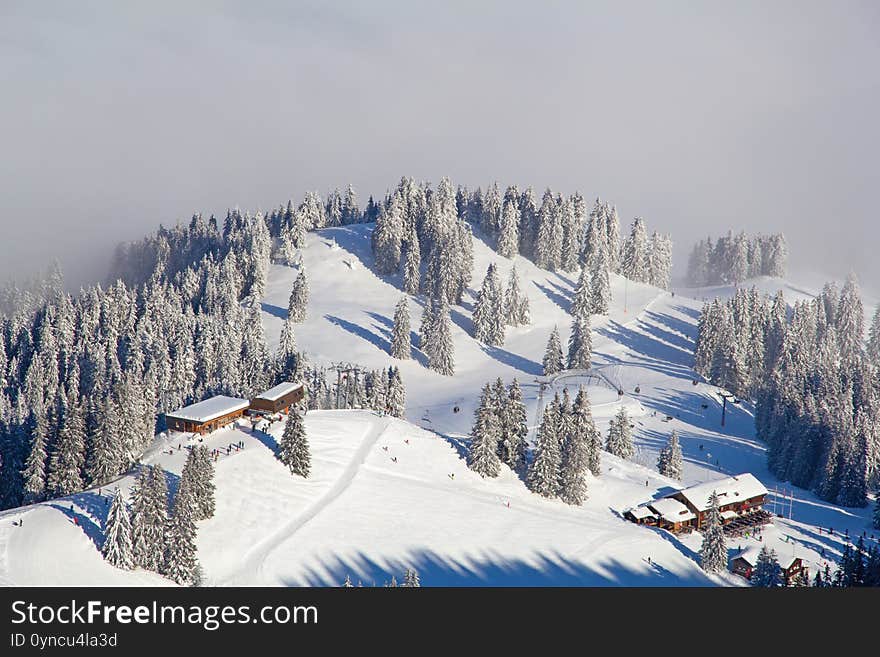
x: 210, y: 409
x: 732, y: 489
x: 750, y: 556
x: 277, y: 392
x: 641, y: 512
x: 671, y: 510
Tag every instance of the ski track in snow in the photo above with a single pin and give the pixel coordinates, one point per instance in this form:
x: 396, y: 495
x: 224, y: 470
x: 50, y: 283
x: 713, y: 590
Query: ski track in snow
x: 255, y: 558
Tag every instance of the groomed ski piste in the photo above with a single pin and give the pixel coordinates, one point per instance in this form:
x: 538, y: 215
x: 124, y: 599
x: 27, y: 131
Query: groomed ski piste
x: 385, y: 494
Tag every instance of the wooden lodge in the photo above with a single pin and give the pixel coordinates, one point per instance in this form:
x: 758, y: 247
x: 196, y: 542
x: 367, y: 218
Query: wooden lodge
x: 739, y: 498
x: 278, y: 399
x: 744, y: 564
x: 207, y: 415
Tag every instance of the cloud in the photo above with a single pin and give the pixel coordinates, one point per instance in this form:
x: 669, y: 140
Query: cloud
x: 699, y: 118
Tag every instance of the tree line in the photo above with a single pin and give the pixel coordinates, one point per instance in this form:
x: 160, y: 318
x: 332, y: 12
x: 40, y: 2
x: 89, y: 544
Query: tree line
x: 735, y: 258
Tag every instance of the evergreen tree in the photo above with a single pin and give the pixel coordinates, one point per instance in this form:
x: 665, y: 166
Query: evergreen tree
x: 508, y: 230
x: 180, y: 563
x: 400, y: 338
x: 294, y: 448
x: 299, y: 298
x: 553, y: 362
x: 66, y: 462
x: 634, y: 258
x: 488, y: 313
x: 34, y: 473
x: 149, y: 517
x: 767, y: 572
x: 543, y: 474
x: 874, y: 339
x: 581, y: 304
x: 396, y: 401
x: 575, y: 465
x: 440, y: 348
x: 580, y: 344
x: 516, y: 303
x: 713, y: 552
x: 620, y: 442
x: 412, y: 263
x: 514, y: 428
x: 106, y: 458
x: 482, y: 455
x: 411, y: 578
x: 117, y: 548
x: 669, y: 464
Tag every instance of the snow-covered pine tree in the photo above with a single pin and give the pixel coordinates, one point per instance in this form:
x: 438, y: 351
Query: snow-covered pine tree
x: 67, y: 460
x: 553, y: 362
x: 669, y: 462
x: 396, y: 401
x: 180, y: 561
x: 767, y: 572
x: 580, y: 343
x: 149, y: 514
x: 571, y: 243
x: 574, y: 468
x: 412, y: 263
x: 660, y: 260
x: 634, y: 257
x: 411, y: 578
x: 620, y: 442
x: 508, y: 230
x: 516, y: 303
x: 514, y: 428
x: 543, y: 473
x: 287, y: 357
x: 388, y: 237
x: 441, y: 351
x: 482, y: 455
x: 294, y: 448
x: 585, y: 429
x: 581, y: 303
x: 34, y: 473
x: 117, y: 548
x: 547, y: 255
x: 401, y: 346
x: 427, y: 325
x: 297, y: 305
x: 850, y: 321
x: 488, y: 315
x: 713, y: 552
x: 106, y: 458
x: 600, y: 287
x: 204, y: 469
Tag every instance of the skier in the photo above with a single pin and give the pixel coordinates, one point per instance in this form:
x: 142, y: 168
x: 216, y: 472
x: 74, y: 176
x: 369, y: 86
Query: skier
x: 75, y: 521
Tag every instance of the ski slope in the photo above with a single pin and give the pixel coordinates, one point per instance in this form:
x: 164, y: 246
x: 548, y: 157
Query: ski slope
x: 385, y: 495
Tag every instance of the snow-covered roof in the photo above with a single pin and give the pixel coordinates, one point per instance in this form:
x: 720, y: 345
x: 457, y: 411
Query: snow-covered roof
x: 641, y: 512
x: 671, y: 510
x: 728, y: 515
x: 750, y: 556
x: 276, y: 393
x: 210, y: 409
x: 732, y: 489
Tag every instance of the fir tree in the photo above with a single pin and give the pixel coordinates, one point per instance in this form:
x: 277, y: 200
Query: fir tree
x: 713, y: 553
x: 669, y: 463
x: 482, y: 455
x: 440, y: 348
x: 34, y: 473
x: 488, y: 313
x: 553, y: 362
x: 180, y: 561
x: 400, y: 341
x: 575, y: 464
x: 767, y: 572
x: 66, y: 462
x: 580, y: 344
x: 543, y: 474
x: 620, y: 442
x: 411, y: 578
x: 634, y: 258
x: 294, y: 448
x: 412, y: 263
x: 117, y: 548
x: 508, y: 230
x: 299, y: 298
x: 516, y: 304
x: 396, y: 401
x: 581, y: 304
x: 514, y: 428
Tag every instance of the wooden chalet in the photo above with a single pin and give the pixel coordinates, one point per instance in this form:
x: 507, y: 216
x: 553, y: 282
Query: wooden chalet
x: 740, y: 500
x: 278, y: 399
x: 208, y: 415
x: 790, y: 566
x: 737, y: 496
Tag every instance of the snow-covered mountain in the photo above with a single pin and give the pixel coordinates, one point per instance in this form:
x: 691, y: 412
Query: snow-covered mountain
x: 388, y: 494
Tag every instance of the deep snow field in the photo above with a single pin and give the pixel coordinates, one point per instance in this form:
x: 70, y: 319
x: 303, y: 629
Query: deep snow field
x: 386, y: 495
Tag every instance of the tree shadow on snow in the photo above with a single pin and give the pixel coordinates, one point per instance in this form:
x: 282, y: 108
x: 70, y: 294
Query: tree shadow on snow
x: 488, y: 568
x: 387, y: 328
x: 513, y: 360
x: 560, y: 300
x: 276, y: 311
x: 373, y: 338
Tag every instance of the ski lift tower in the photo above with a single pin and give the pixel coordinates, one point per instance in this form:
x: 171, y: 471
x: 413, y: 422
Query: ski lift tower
x: 725, y: 396
x: 342, y: 372
x: 543, y: 383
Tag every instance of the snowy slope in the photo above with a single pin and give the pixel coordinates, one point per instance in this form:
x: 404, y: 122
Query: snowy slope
x: 364, y: 514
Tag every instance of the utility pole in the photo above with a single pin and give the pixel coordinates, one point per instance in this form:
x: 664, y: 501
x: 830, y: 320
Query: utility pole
x: 725, y: 396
